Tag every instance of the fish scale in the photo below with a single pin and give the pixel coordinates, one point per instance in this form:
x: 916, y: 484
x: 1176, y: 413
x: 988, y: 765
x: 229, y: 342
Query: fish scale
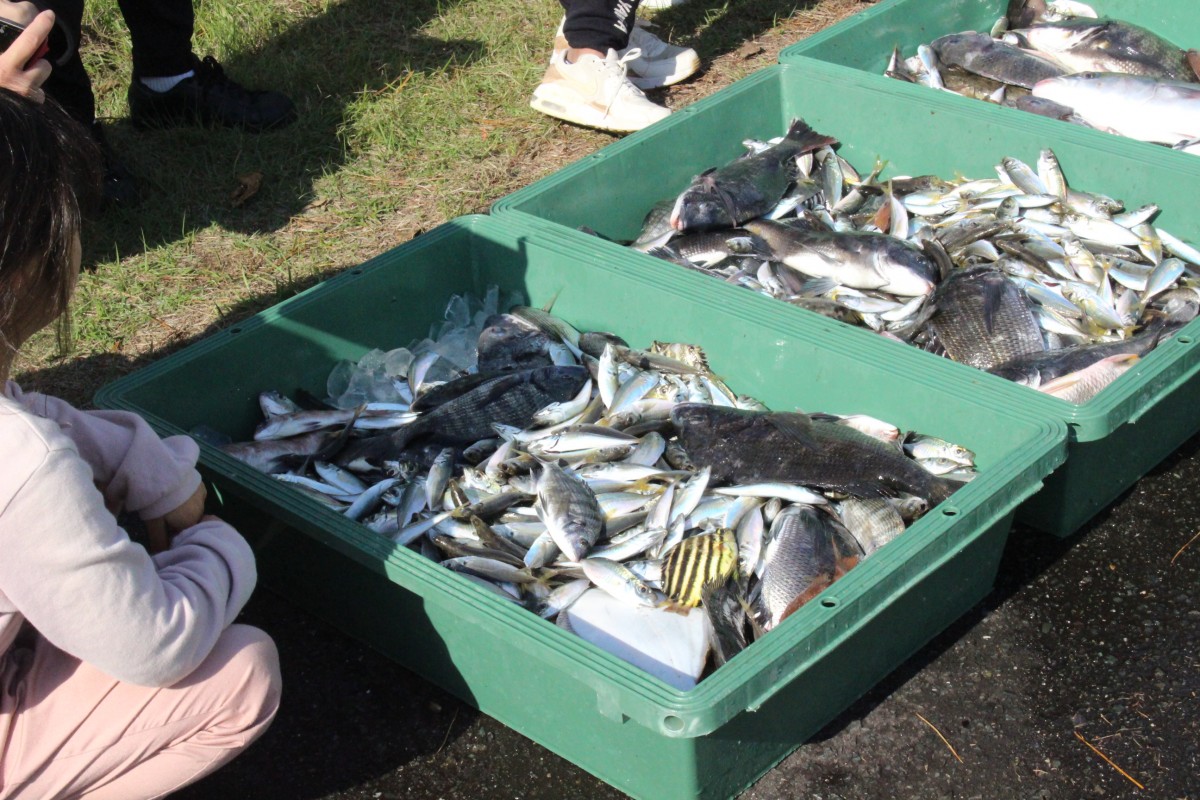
x: 803, y: 557
x: 982, y: 319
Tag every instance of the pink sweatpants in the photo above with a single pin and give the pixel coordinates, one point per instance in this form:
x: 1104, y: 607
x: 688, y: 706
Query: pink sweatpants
x: 68, y: 730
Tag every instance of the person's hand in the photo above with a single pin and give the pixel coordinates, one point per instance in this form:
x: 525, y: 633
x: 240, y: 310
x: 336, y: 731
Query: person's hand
x: 189, y: 513
x: 15, y: 75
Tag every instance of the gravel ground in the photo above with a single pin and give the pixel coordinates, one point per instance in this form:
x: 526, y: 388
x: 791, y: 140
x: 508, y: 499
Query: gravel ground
x: 1096, y: 637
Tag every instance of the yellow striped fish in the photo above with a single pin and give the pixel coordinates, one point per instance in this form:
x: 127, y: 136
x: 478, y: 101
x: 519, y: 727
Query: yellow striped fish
x: 705, y: 560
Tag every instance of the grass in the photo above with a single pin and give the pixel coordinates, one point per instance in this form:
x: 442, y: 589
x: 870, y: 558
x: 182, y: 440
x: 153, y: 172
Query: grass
x: 409, y: 114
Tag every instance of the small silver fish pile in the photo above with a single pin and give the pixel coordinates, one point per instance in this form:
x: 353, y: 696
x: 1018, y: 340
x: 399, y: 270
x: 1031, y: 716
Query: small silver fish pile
x: 628, y: 494
x: 1060, y: 60
x: 1021, y: 275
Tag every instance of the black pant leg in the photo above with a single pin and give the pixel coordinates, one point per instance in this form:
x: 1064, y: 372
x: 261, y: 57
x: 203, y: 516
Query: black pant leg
x: 599, y: 24
x: 161, y: 31
x: 68, y: 83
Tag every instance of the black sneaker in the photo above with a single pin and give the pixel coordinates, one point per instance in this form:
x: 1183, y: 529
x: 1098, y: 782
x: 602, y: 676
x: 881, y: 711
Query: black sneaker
x: 209, y: 97
x: 119, y: 188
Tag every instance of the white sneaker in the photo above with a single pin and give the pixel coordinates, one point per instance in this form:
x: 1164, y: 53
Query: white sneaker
x: 661, y: 63
x: 595, y: 92
x: 661, y: 3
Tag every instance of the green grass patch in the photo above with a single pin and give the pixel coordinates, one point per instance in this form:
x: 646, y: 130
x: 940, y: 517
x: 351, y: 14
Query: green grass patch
x: 409, y: 114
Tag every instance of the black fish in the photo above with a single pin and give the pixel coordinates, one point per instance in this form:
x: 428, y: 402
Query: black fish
x: 1037, y: 368
x: 748, y: 187
x: 725, y: 606
x: 593, y: 342
x: 445, y: 392
x: 765, y: 446
x: 983, y: 55
x: 508, y: 343
x: 984, y: 319
x: 509, y: 399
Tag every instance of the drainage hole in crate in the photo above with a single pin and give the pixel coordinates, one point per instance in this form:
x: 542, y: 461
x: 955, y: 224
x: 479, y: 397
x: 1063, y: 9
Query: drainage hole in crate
x: 235, y: 330
x: 829, y: 602
x: 1183, y: 339
x: 672, y: 723
x: 950, y: 511
x: 356, y: 272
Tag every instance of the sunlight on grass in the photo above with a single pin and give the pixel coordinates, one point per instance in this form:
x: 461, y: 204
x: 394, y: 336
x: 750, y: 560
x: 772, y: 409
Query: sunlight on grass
x: 409, y: 114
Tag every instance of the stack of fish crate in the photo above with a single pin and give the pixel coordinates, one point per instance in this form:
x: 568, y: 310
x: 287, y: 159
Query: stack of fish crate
x: 1117, y: 436
x: 1133, y: 425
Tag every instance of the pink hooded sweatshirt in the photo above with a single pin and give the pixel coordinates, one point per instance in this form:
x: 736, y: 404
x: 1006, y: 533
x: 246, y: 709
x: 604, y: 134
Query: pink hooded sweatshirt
x: 69, y: 569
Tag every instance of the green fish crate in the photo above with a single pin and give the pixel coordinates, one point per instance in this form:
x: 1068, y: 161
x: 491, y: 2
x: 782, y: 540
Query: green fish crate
x: 864, y: 42
x: 639, y: 734
x: 1116, y: 437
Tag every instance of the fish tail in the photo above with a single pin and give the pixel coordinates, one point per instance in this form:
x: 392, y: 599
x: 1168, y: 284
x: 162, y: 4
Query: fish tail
x: 802, y: 133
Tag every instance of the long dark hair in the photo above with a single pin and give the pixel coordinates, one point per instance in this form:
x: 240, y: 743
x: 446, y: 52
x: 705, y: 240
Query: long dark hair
x: 49, y: 177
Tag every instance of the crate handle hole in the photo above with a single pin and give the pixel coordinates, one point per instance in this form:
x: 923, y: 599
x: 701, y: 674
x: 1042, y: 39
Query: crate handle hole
x: 235, y: 329
x: 673, y: 723
x: 950, y: 511
x: 829, y: 602
x: 1183, y: 339
x: 356, y: 272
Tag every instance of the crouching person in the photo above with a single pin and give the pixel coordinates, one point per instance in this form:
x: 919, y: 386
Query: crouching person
x: 121, y: 673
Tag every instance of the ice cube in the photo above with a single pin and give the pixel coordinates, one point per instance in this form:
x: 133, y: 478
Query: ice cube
x: 458, y: 312
x: 397, y: 362
x: 372, y: 362
x: 491, y: 299
x: 339, y: 378
x: 383, y: 390
x: 458, y: 348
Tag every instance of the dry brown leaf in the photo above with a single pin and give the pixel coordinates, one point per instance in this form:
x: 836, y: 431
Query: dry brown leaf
x: 248, y: 186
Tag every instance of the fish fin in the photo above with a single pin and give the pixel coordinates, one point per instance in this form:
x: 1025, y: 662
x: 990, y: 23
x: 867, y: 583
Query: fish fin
x: 550, y: 303
x: 336, y: 443
x: 883, y: 217
x: 818, y: 286
x: 819, y: 584
x: 1193, y: 58
x: 993, y: 296
x: 802, y: 133
x: 675, y: 608
x: 755, y: 626
x: 797, y: 427
x: 935, y: 251
x: 372, y: 450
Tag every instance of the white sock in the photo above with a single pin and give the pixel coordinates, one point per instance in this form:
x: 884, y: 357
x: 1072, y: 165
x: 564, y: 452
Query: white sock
x: 166, y: 84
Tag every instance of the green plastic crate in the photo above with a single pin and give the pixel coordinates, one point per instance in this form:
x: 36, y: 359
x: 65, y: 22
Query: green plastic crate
x: 865, y: 40
x: 637, y: 733
x: 1116, y: 437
